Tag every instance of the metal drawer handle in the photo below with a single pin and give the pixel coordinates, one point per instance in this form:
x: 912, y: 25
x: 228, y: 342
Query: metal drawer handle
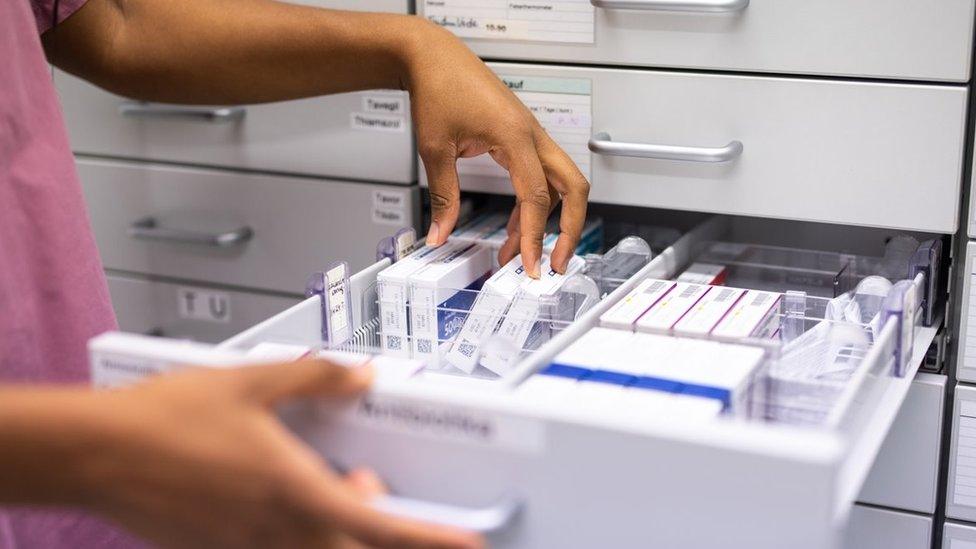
x: 487, y: 520
x: 148, y: 229
x: 142, y: 109
x: 601, y: 143
x: 708, y: 6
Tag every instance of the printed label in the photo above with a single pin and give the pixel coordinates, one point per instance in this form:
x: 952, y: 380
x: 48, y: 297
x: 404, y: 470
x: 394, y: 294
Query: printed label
x: 450, y: 423
x: 562, y: 106
x: 197, y: 304
x: 386, y: 104
x: 377, y: 122
x: 565, y: 21
x: 387, y: 216
x: 389, y: 199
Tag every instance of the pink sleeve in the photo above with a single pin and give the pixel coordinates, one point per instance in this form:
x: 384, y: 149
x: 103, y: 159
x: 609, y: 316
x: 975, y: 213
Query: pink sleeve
x: 44, y: 11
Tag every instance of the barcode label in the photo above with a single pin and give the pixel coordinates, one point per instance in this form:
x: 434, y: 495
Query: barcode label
x: 394, y: 343
x: 761, y: 299
x: 726, y: 294
x: 709, y: 311
x: 753, y: 316
x: 648, y: 293
x: 668, y: 310
x: 655, y: 287
x: 690, y: 291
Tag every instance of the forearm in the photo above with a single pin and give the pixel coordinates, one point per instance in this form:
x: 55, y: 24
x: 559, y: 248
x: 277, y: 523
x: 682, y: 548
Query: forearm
x: 44, y: 435
x: 233, y: 51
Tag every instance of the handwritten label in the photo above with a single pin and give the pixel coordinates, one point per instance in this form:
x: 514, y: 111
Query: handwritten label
x: 377, y: 122
x: 337, y: 294
x: 566, y: 21
x: 562, y: 106
x: 197, y: 304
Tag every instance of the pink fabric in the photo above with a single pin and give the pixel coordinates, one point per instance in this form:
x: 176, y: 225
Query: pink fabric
x: 53, y: 295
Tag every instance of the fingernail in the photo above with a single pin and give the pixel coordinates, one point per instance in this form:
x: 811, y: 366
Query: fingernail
x: 433, y: 234
x: 534, y: 270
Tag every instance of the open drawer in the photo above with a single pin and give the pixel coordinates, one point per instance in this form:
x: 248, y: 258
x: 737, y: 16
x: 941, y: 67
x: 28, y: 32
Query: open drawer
x: 589, y: 473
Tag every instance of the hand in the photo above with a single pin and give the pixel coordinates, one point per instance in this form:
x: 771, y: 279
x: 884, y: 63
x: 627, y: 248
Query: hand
x: 198, y: 459
x: 461, y: 109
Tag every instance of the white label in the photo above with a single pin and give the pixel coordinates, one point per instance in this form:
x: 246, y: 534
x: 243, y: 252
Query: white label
x: 385, y: 104
x: 562, y: 106
x: 450, y: 423
x: 197, y: 304
x: 339, y: 328
x: 389, y: 199
x: 377, y: 122
x: 388, y: 216
x: 566, y: 21
x: 964, y: 479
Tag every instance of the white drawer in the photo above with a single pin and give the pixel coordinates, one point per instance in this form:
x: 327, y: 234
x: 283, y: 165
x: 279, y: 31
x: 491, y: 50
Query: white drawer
x: 342, y: 136
x: 906, y: 473
x: 201, y: 313
x: 961, y: 490
x: 393, y: 6
x: 966, y: 355
x: 876, y: 38
x: 886, y: 155
x: 873, y: 528
x: 594, y: 477
x: 275, y: 230
x: 958, y: 536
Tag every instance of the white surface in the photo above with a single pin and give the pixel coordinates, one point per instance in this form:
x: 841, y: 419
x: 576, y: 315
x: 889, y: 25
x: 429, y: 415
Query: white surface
x: 966, y: 357
x: 958, y: 536
x: 859, y: 153
x: 314, y: 136
x: 905, y: 474
x: 961, y: 492
x: 299, y: 224
x: 873, y: 528
x: 901, y: 39
x: 147, y: 306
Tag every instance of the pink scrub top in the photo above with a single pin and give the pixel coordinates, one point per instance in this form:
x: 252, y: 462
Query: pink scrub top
x: 53, y: 295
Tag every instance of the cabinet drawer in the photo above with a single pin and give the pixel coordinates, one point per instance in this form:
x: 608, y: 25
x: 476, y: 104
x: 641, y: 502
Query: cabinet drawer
x: 588, y: 476
x: 961, y: 491
x: 873, y: 38
x: 201, y: 313
x: 363, y: 135
x: 873, y: 528
x: 966, y: 356
x: 856, y: 153
x: 958, y: 536
x: 251, y: 230
x: 905, y: 474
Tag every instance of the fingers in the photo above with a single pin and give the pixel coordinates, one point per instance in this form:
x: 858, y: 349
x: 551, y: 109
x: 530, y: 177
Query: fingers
x: 310, y: 377
x: 563, y: 174
x: 445, y: 193
x: 511, y: 247
x: 377, y: 529
x: 365, y: 482
x: 534, y: 201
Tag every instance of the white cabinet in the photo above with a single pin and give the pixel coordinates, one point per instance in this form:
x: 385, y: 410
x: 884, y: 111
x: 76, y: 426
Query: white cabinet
x: 966, y: 355
x: 248, y: 230
x: 875, y: 528
x: 200, y: 312
x: 859, y: 153
x: 956, y: 535
x: 961, y: 491
x: 898, y: 39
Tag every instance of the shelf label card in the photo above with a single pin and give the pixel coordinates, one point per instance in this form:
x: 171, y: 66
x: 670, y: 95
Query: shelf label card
x: 377, y: 122
x: 561, y: 21
x: 206, y: 305
x: 563, y: 107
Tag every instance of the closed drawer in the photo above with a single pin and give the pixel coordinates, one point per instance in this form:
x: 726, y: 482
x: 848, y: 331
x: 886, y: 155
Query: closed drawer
x: 857, y: 153
x: 273, y: 231
x: 906, y: 472
x: 201, y: 313
x: 363, y: 135
x: 966, y: 356
x: 877, y: 38
x: 873, y: 528
x: 958, y: 536
x: 961, y: 490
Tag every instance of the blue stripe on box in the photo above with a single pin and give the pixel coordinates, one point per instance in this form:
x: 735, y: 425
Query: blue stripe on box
x: 613, y: 378
x: 561, y: 370
x: 657, y: 384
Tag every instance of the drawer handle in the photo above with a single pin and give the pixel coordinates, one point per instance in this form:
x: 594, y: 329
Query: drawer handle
x: 601, y: 143
x: 487, y: 520
x: 148, y: 229
x: 142, y: 109
x: 710, y: 6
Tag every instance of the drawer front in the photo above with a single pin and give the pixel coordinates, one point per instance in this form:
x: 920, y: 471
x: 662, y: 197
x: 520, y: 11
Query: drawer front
x: 877, y: 38
x: 201, y: 313
x: 958, y: 536
x: 966, y: 356
x: 392, y: 6
x: 905, y: 474
x: 961, y: 491
x: 364, y: 135
x: 276, y: 230
x: 873, y: 528
x: 857, y: 153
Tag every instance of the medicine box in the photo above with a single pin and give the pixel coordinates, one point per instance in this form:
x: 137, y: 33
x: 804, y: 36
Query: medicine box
x: 706, y: 314
x: 756, y: 314
x: 625, y: 313
x: 440, y: 296
x: 669, y: 310
x: 393, y: 294
x: 704, y: 273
